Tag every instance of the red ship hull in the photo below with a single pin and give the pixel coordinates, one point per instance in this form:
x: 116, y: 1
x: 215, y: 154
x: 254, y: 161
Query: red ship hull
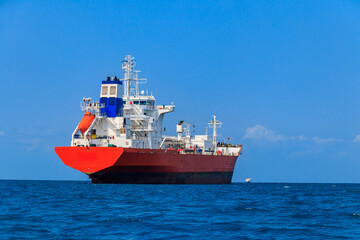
x: 142, y: 166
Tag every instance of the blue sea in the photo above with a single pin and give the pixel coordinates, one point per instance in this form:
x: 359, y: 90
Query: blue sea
x: 81, y: 210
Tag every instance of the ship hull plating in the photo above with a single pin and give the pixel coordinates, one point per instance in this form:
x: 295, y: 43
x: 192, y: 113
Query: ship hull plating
x: 147, y: 166
x: 163, y: 177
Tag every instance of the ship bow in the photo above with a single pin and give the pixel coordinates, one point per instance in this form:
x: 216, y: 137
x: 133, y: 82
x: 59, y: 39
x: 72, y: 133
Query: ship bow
x: 89, y: 159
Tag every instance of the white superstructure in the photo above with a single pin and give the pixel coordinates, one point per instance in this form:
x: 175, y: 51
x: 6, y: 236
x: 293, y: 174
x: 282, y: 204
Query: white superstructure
x: 128, y: 117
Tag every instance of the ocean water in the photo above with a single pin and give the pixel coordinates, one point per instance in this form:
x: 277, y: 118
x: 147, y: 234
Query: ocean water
x: 81, y: 210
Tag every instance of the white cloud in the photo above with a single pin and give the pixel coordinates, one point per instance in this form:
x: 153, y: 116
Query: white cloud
x: 262, y: 133
x: 302, y: 138
x: 357, y: 139
x: 318, y: 140
x: 259, y: 132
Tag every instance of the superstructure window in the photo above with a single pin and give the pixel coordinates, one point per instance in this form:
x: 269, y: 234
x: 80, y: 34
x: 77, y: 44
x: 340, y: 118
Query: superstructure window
x: 103, y: 100
x: 136, y: 102
x: 142, y: 102
x: 112, y: 90
x: 104, y: 90
x: 112, y: 101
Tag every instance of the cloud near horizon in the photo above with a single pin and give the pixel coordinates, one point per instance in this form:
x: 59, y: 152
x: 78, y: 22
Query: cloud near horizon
x: 357, y: 139
x: 319, y: 140
x: 259, y: 132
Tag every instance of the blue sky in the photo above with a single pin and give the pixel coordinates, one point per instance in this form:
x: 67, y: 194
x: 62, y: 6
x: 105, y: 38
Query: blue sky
x: 283, y: 76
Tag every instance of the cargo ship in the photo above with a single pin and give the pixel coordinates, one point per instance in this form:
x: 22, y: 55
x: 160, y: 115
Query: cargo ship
x: 120, y: 140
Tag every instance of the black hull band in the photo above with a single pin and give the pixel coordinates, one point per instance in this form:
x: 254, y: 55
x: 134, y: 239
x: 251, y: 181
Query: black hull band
x: 163, y: 178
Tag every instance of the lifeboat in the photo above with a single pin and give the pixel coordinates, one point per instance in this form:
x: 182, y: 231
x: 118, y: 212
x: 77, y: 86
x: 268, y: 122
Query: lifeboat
x: 86, y: 122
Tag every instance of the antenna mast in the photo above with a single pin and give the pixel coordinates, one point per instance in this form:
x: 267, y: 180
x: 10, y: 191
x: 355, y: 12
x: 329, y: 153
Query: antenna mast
x: 214, y: 124
x: 131, y: 80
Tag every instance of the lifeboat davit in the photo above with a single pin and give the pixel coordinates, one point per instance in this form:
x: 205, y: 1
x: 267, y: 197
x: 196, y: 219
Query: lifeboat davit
x: 86, y: 122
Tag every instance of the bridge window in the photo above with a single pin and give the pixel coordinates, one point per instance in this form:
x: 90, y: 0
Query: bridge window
x: 104, y: 90
x: 142, y: 102
x: 112, y: 90
x: 136, y: 102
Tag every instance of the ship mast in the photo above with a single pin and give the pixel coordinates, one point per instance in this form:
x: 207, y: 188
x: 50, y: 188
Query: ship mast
x: 131, y: 79
x: 214, y: 124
